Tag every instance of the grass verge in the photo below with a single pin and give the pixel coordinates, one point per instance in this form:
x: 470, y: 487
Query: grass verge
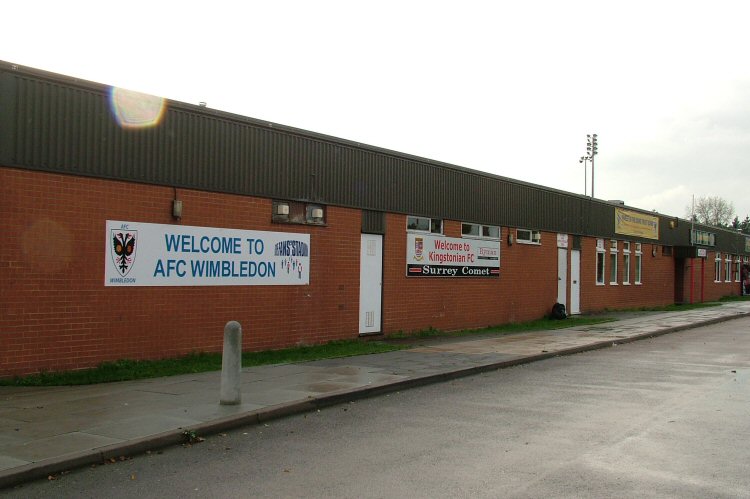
x: 674, y: 307
x: 735, y: 298
x: 516, y: 327
x: 124, y: 370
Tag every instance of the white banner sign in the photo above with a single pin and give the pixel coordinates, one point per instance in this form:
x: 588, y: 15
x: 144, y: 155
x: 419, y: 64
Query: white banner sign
x: 436, y: 256
x: 144, y: 254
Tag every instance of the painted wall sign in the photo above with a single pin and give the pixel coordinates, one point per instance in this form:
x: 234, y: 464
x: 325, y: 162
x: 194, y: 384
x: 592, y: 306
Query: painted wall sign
x: 145, y: 254
x: 434, y: 256
x: 633, y: 223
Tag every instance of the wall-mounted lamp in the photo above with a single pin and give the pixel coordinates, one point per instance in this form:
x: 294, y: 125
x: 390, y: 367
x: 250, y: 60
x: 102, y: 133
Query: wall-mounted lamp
x: 653, y: 250
x: 673, y: 224
x: 317, y: 214
x: 177, y: 208
x: 282, y: 209
x: 510, y: 239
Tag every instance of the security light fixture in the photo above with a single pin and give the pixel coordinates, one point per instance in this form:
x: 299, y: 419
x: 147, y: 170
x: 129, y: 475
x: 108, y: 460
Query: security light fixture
x: 282, y: 209
x: 177, y: 208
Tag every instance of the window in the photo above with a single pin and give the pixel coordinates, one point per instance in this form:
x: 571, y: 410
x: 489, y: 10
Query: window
x: 737, y: 268
x: 295, y: 212
x: 728, y: 268
x: 527, y: 236
x: 613, y: 262
x: 424, y: 224
x: 480, y: 231
x: 702, y: 237
x: 717, y: 267
x: 638, y: 262
x: 491, y: 231
x: 600, y: 262
x: 626, y: 262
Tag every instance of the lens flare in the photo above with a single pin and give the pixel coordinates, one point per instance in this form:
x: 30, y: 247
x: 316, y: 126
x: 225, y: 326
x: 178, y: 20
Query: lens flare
x: 134, y: 109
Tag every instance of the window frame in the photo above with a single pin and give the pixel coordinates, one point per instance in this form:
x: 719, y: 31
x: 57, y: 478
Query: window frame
x: 717, y: 267
x: 600, y: 262
x: 728, y: 268
x: 297, y: 213
x: 702, y: 237
x: 626, y: 263
x: 430, y: 222
x: 638, y: 264
x: 530, y: 239
x: 737, y: 266
x: 481, y: 228
x: 613, y: 251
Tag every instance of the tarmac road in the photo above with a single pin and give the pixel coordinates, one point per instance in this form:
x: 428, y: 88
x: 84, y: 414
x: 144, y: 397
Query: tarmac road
x: 664, y: 417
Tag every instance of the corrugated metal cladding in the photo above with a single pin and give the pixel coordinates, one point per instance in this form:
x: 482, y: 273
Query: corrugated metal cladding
x: 373, y: 222
x: 54, y: 123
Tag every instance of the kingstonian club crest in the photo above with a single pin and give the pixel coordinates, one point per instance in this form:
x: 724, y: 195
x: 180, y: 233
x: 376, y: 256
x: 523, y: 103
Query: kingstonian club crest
x: 123, y: 250
x: 418, y: 248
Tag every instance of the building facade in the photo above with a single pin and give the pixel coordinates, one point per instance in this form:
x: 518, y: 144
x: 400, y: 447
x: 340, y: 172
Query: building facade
x: 137, y: 227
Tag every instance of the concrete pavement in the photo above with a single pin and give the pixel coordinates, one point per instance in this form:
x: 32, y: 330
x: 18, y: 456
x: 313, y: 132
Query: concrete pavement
x: 48, y: 430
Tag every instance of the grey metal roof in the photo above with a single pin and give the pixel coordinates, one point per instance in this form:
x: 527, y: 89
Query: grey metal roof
x: 55, y: 123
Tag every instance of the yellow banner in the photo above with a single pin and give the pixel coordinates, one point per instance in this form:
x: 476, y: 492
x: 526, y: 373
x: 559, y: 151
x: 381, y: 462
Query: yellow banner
x: 633, y: 223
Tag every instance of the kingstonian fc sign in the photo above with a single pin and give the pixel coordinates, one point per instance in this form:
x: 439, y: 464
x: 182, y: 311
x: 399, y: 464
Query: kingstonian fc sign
x: 433, y: 256
x: 178, y: 255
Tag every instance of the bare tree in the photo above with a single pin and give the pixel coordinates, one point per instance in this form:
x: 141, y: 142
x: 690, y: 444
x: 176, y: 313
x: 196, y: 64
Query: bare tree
x: 712, y: 210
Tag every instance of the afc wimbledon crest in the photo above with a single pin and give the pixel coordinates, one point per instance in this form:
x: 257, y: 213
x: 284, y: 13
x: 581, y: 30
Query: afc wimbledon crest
x: 123, y: 250
x: 418, y: 248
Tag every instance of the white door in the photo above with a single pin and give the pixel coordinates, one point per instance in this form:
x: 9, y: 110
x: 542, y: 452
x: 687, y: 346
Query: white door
x: 575, y: 282
x: 370, y: 283
x: 562, y: 276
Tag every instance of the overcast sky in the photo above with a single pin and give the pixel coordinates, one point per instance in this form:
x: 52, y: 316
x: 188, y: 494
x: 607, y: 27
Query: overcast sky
x: 510, y: 88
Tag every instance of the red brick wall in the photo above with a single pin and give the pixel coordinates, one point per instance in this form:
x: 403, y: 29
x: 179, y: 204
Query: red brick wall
x: 713, y: 290
x: 57, y: 314
x: 698, y: 280
x: 526, y: 289
x: 657, y: 278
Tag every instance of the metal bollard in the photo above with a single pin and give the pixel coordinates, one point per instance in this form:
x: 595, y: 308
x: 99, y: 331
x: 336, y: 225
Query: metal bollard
x: 231, y: 364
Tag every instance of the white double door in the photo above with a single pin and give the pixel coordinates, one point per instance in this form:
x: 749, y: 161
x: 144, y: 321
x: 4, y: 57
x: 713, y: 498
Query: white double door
x: 575, y: 280
x: 370, y: 283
